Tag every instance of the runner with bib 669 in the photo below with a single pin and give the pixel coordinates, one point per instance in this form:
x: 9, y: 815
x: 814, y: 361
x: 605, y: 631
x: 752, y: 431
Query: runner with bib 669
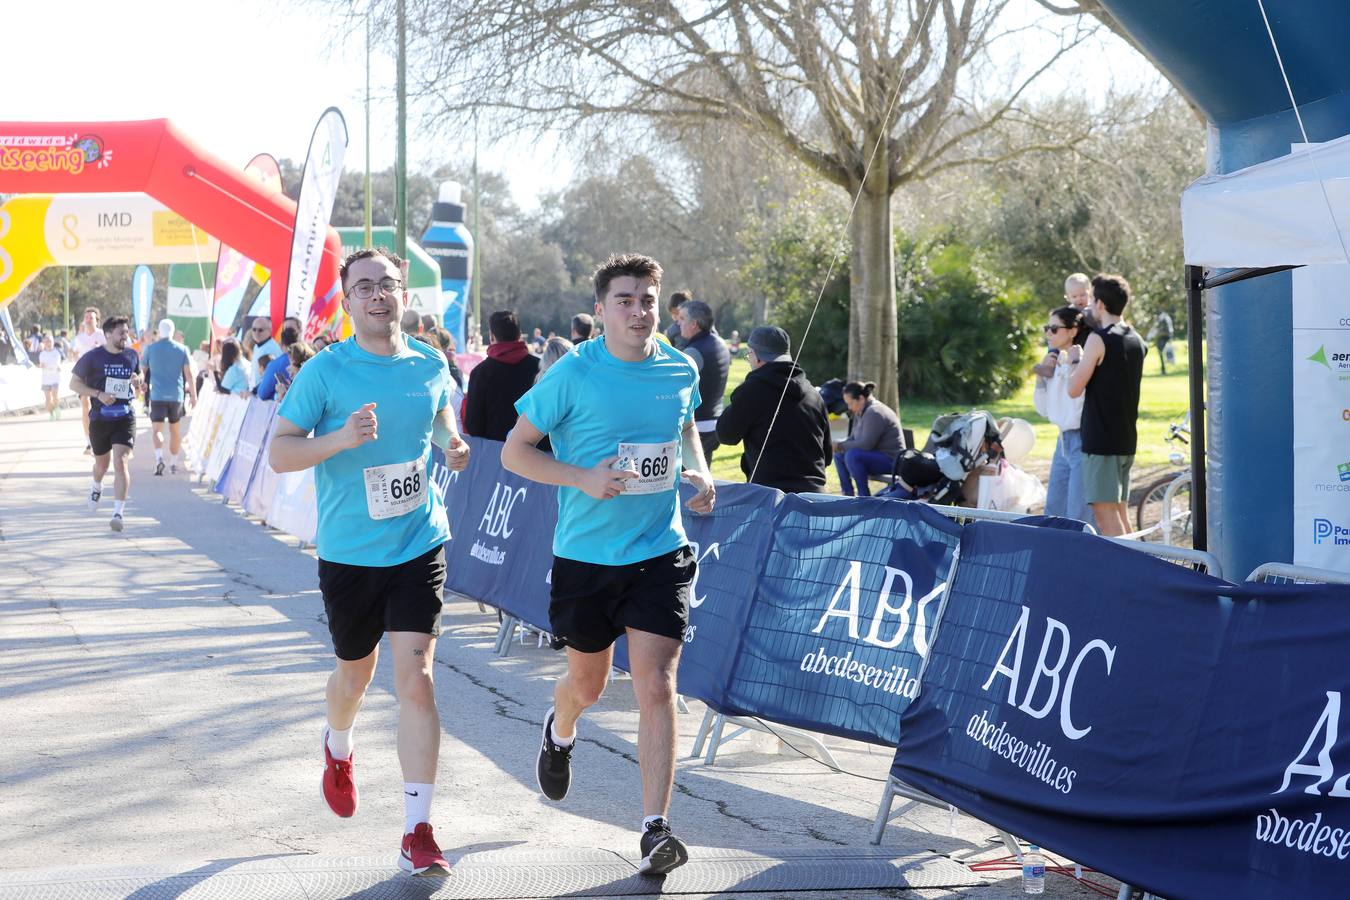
x: 619, y: 413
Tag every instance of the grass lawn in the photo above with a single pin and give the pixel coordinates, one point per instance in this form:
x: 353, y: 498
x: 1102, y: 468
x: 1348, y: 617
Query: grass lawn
x: 1163, y: 398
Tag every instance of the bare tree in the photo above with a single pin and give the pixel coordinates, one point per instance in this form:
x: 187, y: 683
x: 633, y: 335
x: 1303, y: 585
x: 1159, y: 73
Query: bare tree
x: 869, y: 94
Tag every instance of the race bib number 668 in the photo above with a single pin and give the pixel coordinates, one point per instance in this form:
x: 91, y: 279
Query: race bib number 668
x: 395, y: 489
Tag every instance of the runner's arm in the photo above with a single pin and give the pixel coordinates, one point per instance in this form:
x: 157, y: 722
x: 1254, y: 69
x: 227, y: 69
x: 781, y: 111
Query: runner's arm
x: 78, y: 386
x: 190, y: 382
x: 697, y: 474
x: 445, y: 435
x: 521, y: 456
x: 293, y: 450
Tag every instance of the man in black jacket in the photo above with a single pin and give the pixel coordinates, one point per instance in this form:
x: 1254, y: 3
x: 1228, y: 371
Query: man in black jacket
x: 793, y: 456
x: 496, y: 383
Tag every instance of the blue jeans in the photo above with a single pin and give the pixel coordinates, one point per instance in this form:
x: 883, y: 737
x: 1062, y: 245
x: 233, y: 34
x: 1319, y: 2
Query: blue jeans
x: 1064, y: 494
x: 855, y: 465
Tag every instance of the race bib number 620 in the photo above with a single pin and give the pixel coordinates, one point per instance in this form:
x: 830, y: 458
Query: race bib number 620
x: 395, y: 489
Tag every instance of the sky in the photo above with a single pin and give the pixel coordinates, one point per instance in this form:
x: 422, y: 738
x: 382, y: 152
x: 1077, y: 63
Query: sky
x: 248, y: 76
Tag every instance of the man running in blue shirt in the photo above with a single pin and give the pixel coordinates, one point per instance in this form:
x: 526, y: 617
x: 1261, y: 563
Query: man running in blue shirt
x: 619, y: 413
x: 108, y: 376
x: 375, y: 403
x: 168, y: 370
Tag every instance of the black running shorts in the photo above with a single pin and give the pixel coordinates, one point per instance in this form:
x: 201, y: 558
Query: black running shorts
x: 593, y: 604
x: 103, y: 433
x: 162, y: 410
x: 363, y: 602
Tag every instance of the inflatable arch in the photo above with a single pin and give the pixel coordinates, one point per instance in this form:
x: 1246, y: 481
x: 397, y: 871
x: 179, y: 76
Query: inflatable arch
x: 154, y: 157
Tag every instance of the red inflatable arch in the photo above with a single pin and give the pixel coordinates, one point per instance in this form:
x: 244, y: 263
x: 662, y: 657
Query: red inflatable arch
x: 156, y: 158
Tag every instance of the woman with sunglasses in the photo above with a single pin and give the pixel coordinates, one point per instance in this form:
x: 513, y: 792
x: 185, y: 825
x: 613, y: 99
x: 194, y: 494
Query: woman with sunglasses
x: 1064, y: 494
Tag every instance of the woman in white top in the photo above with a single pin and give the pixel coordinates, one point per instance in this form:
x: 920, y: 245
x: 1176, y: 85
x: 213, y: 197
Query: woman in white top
x: 1064, y: 493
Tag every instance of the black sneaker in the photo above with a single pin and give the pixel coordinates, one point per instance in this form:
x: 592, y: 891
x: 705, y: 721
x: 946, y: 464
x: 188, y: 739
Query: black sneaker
x: 159, y: 467
x: 173, y: 468
x: 554, y: 771
x: 661, y: 849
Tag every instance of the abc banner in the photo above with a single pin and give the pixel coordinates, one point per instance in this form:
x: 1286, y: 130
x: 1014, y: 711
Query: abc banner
x: 501, y: 534
x: 843, y: 615
x: 1178, y: 732
x: 1322, y: 417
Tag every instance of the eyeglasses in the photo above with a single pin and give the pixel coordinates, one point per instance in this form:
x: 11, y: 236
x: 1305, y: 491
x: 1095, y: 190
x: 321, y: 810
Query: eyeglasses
x: 261, y: 329
x: 1055, y: 329
x: 366, y: 290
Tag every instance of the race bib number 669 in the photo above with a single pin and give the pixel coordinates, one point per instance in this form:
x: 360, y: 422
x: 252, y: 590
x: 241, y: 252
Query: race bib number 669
x: 396, y: 489
x: 654, y: 464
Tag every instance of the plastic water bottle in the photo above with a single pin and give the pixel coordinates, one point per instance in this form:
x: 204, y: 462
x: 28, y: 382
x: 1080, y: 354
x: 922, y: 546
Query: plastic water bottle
x: 1033, y: 871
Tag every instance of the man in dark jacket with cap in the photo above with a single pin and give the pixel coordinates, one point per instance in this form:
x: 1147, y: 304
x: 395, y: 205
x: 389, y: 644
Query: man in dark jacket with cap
x: 793, y: 456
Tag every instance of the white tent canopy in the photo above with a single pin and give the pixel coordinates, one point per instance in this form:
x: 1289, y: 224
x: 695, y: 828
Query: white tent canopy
x: 1273, y: 213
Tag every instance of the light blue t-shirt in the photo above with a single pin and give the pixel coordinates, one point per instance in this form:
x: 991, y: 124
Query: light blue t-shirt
x: 408, y: 389
x: 165, y: 359
x: 235, y: 379
x: 270, y: 347
x: 589, y: 402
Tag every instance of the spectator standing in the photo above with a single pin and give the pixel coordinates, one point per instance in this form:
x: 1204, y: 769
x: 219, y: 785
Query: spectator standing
x: 709, y: 352
x: 677, y: 299
x: 232, y: 376
x: 263, y: 344
x: 1064, y: 493
x: 1160, y: 335
x: 582, y: 326
x: 874, y: 440
x: 537, y: 342
x: 49, y: 358
x: 496, y: 383
x: 297, y: 355
x: 1108, y: 376
x: 792, y: 451
x: 444, y: 341
x: 267, y: 384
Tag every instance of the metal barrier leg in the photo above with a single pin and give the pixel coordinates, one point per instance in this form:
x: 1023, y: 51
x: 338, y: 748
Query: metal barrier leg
x: 719, y: 723
x: 703, y: 729
x: 504, y: 633
x: 681, y: 706
x: 883, y: 811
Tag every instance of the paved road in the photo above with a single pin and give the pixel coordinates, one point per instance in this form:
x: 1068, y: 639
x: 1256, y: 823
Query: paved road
x: 161, y: 694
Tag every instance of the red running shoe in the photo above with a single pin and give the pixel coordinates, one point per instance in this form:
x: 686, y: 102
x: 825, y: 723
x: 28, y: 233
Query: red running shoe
x: 338, y: 788
x: 420, y: 854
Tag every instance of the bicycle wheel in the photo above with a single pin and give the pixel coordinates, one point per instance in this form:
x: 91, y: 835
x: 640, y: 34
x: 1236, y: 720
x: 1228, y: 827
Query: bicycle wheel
x: 1149, y: 510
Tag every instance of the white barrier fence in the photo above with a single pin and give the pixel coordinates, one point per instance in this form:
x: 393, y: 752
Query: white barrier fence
x: 285, y: 502
x: 21, y: 387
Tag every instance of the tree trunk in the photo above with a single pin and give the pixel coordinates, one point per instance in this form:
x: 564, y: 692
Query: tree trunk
x: 872, y: 354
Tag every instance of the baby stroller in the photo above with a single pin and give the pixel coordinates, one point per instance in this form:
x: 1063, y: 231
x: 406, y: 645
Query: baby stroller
x: 959, y: 444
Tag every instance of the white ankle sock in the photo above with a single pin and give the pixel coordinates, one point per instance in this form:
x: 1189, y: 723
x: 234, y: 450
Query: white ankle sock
x: 416, y: 804
x: 98, y: 486
x: 118, y: 506
x: 650, y: 819
x: 560, y: 741
x: 159, y: 456
x: 340, y: 743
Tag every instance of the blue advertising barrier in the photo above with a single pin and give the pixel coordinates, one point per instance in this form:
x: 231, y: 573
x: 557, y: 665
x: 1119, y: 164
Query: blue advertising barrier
x: 730, y: 545
x: 1179, y: 732
x: 243, y: 466
x: 842, y: 615
x: 501, y: 535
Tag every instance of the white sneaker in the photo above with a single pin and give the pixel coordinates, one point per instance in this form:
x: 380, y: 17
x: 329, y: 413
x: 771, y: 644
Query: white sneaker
x: 94, y: 496
x: 116, y: 523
